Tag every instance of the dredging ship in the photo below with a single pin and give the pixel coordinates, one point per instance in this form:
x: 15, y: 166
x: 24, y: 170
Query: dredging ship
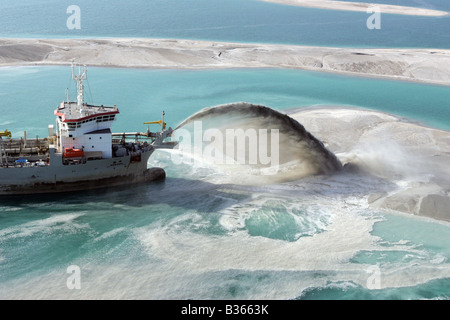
x: 80, y: 153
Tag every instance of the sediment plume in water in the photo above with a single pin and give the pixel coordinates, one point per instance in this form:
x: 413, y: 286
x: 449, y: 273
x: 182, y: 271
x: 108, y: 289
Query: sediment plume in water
x: 253, y: 140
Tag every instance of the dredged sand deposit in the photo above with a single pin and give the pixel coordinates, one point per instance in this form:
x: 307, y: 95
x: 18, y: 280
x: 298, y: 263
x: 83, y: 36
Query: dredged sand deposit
x: 411, y: 158
x: 424, y: 65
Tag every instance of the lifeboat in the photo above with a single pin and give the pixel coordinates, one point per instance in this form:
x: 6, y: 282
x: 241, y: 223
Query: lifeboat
x: 73, y: 153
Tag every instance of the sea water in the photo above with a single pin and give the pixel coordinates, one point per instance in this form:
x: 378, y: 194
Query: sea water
x: 196, y: 235
x: 231, y: 20
x: 142, y: 94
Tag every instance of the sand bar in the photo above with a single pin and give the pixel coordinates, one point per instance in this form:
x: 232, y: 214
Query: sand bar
x: 423, y: 65
x: 362, y: 7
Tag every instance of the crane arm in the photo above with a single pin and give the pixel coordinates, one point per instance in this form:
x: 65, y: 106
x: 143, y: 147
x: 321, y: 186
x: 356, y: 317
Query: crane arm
x: 163, y: 124
x: 5, y: 133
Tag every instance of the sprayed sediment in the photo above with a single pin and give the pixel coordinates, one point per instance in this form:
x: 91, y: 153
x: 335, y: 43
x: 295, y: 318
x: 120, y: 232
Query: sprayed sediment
x: 409, y: 158
x: 298, y: 152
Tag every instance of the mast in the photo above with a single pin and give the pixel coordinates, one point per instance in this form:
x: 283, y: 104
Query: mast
x: 1, y: 150
x: 82, y: 75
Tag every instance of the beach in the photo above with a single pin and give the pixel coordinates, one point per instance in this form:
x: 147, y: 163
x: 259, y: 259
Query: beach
x: 421, y: 65
x: 362, y: 7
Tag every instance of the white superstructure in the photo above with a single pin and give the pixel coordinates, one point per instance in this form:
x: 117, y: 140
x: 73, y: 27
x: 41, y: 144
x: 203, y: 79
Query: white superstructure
x: 85, y: 127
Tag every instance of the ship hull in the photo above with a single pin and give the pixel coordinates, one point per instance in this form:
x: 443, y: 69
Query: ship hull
x: 90, y: 175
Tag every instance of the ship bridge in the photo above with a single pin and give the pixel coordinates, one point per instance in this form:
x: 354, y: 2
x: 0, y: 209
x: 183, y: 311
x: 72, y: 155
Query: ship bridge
x: 77, y: 120
x: 83, y: 126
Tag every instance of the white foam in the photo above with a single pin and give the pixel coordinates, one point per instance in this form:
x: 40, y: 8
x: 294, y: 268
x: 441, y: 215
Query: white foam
x: 10, y: 209
x: 182, y: 264
x: 110, y: 234
x: 241, y: 251
x: 56, y: 222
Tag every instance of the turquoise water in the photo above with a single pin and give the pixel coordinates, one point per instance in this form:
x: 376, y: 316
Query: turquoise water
x: 196, y: 236
x: 143, y: 94
x: 231, y: 20
x: 395, y: 229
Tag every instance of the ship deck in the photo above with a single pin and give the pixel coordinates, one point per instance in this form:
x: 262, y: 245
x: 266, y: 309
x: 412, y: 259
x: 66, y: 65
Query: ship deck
x: 24, y: 152
x: 20, y: 153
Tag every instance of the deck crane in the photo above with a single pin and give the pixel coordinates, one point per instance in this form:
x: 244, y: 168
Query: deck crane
x: 161, y: 122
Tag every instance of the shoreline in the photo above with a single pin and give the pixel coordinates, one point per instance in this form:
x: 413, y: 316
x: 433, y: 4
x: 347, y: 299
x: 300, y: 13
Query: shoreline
x: 418, y: 65
x: 362, y: 7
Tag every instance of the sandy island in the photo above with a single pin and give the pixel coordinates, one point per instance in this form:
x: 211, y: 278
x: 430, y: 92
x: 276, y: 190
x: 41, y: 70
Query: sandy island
x: 361, y: 7
x: 424, y: 65
x: 412, y: 159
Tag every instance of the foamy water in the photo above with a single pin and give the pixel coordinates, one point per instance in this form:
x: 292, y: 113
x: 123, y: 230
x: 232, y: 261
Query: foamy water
x: 276, y: 242
x: 200, y: 236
